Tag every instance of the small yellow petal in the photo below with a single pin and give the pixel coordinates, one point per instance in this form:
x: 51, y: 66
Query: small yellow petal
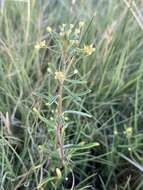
x: 128, y: 131
x: 37, y: 46
x: 82, y: 143
x: 66, y: 118
x: 35, y: 110
x: 49, y: 29
x: 59, y: 75
x: 58, y: 173
x: 97, y: 144
x: 75, y: 71
x: 51, y: 118
x: 81, y: 24
x: 49, y: 70
x: 62, y: 33
x: 41, y: 44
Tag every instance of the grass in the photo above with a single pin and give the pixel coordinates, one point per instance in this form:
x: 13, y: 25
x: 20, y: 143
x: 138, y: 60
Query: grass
x: 100, y: 114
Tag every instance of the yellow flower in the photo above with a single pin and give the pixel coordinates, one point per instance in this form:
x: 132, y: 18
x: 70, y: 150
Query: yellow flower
x: 51, y: 118
x: 82, y: 143
x: 59, y: 75
x: 97, y: 144
x: 37, y: 46
x: 58, y: 173
x: 115, y: 132
x: 35, y: 110
x: 49, y: 70
x: 62, y: 33
x: 129, y: 131
x: 88, y: 49
x: 75, y: 71
x: 49, y: 29
x: 40, y: 45
x: 81, y: 24
x: 66, y: 118
x: 43, y: 44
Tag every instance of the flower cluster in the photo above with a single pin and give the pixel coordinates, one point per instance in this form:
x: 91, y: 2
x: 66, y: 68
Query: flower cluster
x: 88, y: 49
x: 128, y: 132
x: 71, y: 31
x: 59, y: 75
x: 49, y: 29
x: 69, y: 36
x: 40, y: 45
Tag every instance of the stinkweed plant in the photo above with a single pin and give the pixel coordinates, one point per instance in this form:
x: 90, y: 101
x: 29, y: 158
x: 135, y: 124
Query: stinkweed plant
x: 98, y: 67
x: 67, y: 40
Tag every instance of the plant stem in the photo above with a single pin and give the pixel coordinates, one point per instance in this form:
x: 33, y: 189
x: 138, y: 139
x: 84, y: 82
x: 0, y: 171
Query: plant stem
x: 59, y: 124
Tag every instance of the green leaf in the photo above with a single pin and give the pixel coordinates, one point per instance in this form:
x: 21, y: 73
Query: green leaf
x: 49, y: 123
x: 83, y: 146
x: 78, y: 113
x: 76, y: 81
x: 52, y: 99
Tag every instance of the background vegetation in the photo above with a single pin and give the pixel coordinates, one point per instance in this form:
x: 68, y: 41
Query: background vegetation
x: 104, y: 151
